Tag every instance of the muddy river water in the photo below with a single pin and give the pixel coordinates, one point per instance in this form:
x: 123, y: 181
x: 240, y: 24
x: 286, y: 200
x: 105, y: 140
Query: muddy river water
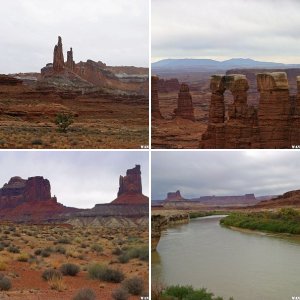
x: 246, y: 266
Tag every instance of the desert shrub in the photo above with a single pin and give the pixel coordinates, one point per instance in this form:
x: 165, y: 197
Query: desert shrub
x: 69, y: 269
x: 134, y: 285
x: 117, y: 251
x: 5, y: 283
x: 38, y: 251
x: 57, y: 284
x: 1, y: 247
x: 104, y: 273
x: 37, y: 142
x: 63, y: 121
x: 13, y: 249
x: 120, y: 294
x: 45, y: 253
x: 97, y: 248
x: 64, y: 240
x: 189, y: 293
x: 23, y: 257
x: 50, y: 274
x: 60, y: 249
x: 85, y: 294
x: 140, y: 253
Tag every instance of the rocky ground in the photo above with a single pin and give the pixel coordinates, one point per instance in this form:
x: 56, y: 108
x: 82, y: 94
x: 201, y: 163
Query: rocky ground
x: 101, y: 121
x: 28, y: 250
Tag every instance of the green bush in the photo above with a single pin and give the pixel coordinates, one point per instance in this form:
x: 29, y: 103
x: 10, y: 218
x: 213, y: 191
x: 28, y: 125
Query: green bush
x: 51, y: 274
x: 63, y: 121
x: 120, y: 294
x: 85, y: 294
x: 97, y: 271
x: 188, y: 293
x: 5, y: 283
x: 69, y: 269
x: 134, y: 285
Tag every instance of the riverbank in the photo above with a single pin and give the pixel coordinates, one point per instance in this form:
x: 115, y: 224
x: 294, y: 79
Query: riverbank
x: 286, y: 220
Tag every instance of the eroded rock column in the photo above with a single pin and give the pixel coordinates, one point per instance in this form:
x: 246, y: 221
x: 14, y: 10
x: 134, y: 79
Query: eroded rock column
x: 274, y: 110
x: 217, y: 105
x: 70, y: 61
x: 185, y: 107
x: 58, y: 57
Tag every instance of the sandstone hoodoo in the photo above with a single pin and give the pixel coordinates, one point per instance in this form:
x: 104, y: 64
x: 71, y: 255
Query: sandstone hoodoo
x: 130, y: 188
x: 58, y: 57
x: 185, y: 107
x: 272, y: 125
x: 29, y: 200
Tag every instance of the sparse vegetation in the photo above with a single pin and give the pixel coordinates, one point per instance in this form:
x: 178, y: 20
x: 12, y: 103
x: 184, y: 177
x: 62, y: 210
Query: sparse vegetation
x: 69, y: 269
x: 120, y: 294
x: 5, y: 283
x: 177, y: 292
x: 105, y: 273
x: 63, y: 121
x: 85, y: 294
x: 134, y: 285
x: 51, y: 274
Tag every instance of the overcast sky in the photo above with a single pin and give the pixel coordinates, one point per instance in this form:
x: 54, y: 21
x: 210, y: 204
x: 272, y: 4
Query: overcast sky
x: 266, y: 30
x: 222, y: 173
x: 113, y: 31
x: 79, y: 179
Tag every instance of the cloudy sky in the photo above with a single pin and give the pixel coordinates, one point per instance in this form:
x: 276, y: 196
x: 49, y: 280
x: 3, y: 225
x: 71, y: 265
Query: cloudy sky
x: 79, y: 179
x: 221, y: 173
x: 113, y: 31
x: 266, y: 30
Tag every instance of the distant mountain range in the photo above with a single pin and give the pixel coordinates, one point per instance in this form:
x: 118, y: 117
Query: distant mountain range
x: 210, y: 64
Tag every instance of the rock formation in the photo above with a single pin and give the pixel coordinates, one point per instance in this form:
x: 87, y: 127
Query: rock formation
x: 18, y: 191
x: 274, y: 110
x: 58, y: 57
x: 273, y: 125
x: 70, y: 62
x: 155, y: 111
x: 130, y: 188
x: 174, y: 196
x: 23, y: 200
x: 185, y: 107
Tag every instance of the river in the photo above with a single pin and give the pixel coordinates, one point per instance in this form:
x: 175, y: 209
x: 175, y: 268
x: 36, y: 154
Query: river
x: 246, y: 266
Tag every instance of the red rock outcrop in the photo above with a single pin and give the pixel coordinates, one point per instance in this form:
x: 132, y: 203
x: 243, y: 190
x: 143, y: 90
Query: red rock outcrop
x: 185, y: 107
x: 130, y: 188
x: 155, y: 111
x: 18, y: 191
x: 58, y: 57
x: 29, y: 200
x: 70, y: 62
x: 275, y: 124
x: 174, y: 196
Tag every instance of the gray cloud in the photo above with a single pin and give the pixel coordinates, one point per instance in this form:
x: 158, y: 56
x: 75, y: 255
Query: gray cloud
x: 205, y: 173
x: 220, y: 29
x: 78, y: 178
x: 113, y: 31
